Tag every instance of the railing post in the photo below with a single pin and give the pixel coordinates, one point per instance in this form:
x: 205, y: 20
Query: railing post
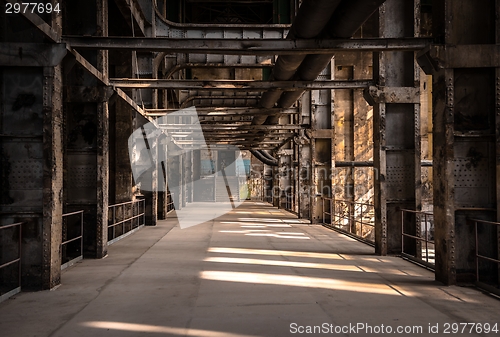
x: 330, y: 210
x: 144, y: 212
x: 81, y: 233
x: 323, y: 207
x: 20, y: 254
x: 477, y: 251
x: 363, y: 210
x: 402, y: 231
x: 426, y: 239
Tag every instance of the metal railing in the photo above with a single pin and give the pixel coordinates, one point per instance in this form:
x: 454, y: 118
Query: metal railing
x: 268, y: 196
x: 417, y: 230
x: 290, y: 202
x: 170, y: 202
x: 490, y: 280
x: 8, y: 287
x: 72, y: 238
x: 125, y: 218
x: 355, y: 219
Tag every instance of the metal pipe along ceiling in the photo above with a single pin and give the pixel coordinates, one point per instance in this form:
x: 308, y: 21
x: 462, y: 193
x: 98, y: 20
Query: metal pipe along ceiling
x: 268, y: 155
x: 345, y: 21
x: 348, y: 16
x: 261, y: 157
x: 311, y: 19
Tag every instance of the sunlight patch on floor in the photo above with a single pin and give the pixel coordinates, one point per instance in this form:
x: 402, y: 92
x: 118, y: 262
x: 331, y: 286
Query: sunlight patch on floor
x: 313, y: 255
x: 292, y: 264
x: 298, y: 281
x: 146, y: 328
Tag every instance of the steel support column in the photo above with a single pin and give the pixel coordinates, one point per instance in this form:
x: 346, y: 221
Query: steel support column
x: 120, y: 178
x: 497, y: 128
x: 52, y: 177
x: 322, y: 135
x: 396, y: 128
x: 305, y: 178
x: 102, y: 139
x: 466, y: 137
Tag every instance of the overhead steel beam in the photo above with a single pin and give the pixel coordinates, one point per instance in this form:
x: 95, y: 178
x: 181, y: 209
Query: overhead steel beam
x: 242, y: 135
x: 267, y: 135
x: 235, y: 100
x: 239, y: 1
x: 191, y: 65
x: 245, y: 46
x: 184, y: 127
x: 216, y: 120
x: 223, y: 111
x: 238, y: 85
x: 341, y: 164
x: 275, y: 142
x: 239, y: 133
x: 205, y: 122
x: 226, y: 139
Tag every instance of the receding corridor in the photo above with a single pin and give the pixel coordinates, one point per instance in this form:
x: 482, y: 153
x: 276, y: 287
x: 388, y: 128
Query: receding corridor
x: 252, y: 272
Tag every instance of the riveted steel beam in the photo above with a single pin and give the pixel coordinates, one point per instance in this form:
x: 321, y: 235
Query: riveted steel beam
x: 237, y: 85
x: 223, y: 111
x: 236, y: 101
x: 245, y: 46
x: 192, y: 65
x: 407, y: 95
x: 184, y: 127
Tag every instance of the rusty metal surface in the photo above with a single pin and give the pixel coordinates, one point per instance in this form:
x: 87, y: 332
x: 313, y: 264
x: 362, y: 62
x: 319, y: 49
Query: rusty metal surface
x: 237, y: 85
x: 31, y: 54
x: 248, y: 46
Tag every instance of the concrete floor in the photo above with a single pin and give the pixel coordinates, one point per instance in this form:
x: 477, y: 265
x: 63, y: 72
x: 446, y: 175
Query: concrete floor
x: 253, y: 272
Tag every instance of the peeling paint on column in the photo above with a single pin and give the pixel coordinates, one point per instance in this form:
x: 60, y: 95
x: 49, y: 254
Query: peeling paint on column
x: 53, y: 168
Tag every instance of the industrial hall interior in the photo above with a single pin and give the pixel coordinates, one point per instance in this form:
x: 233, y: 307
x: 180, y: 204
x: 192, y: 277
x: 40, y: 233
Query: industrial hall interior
x: 249, y: 168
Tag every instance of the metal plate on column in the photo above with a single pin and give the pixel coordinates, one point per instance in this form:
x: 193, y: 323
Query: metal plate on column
x: 81, y: 177
x: 400, y: 176
x: 474, y: 173
x: 23, y: 167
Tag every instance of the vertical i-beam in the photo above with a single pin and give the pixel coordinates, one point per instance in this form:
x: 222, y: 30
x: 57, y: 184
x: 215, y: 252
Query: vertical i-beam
x: 396, y: 128
x: 102, y: 140
x: 466, y: 130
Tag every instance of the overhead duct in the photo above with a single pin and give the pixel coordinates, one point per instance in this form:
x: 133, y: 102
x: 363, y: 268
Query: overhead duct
x: 311, y: 19
x: 347, y: 18
x: 268, y: 155
x: 345, y: 21
x: 261, y: 157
